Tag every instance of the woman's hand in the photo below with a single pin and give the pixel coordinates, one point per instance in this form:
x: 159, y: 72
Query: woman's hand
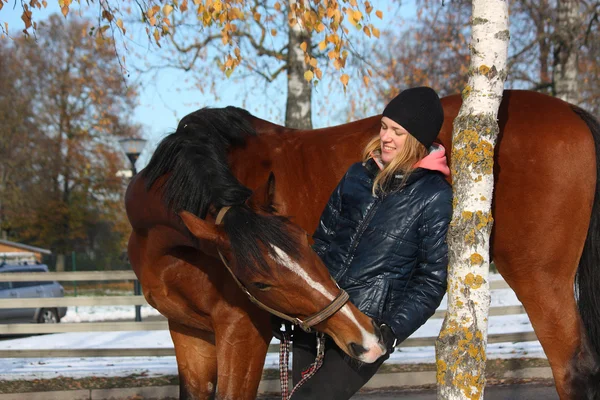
x: 389, y: 339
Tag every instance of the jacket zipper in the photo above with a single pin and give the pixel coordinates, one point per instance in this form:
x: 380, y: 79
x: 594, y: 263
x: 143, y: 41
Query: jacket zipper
x: 361, y: 230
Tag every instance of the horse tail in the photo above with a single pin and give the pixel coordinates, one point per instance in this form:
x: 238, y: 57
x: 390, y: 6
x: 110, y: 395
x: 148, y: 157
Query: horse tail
x: 588, y: 273
x: 193, y: 161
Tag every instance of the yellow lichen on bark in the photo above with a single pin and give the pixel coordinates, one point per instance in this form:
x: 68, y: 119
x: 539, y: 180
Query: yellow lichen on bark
x: 474, y: 152
x: 476, y: 259
x: 474, y: 281
x: 470, y: 346
x: 441, y: 371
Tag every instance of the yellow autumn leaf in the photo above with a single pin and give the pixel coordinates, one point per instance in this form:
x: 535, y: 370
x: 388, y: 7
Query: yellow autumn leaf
x: 367, y: 31
x: 357, y: 15
x: 320, y: 27
x: 167, y: 10
x: 303, y: 46
x: 322, y: 45
x: 237, y: 52
x: 376, y: 32
x: 156, y: 35
x: 332, y: 54
x: 120, y: 25
x: 65, y: 11
x: 277, y: 6
x: 308, y: 75
x: 273, y: 32
x: 257, y: 17
x: 151, y: 12
x: 319, y: 73
x: 379, y: 14
x: 366, y: 79
x: 345, y: 78
x: 26, y: 17
x: 184, y: 6
x: 44, y: 3
x: 313, y: 62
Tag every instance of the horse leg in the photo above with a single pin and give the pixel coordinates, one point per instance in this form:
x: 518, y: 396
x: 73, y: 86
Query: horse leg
x: 241, y: 352
x: 550, y: 304
x: 196, y: 362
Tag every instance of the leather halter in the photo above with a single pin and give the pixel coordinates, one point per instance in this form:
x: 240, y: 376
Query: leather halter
x: 305, y: 324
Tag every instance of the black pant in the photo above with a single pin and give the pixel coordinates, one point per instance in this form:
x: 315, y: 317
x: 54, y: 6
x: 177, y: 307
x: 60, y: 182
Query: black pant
x: 339, y: 377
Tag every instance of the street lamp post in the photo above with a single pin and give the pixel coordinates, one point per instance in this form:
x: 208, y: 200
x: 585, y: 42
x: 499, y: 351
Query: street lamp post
x: 133, y: 148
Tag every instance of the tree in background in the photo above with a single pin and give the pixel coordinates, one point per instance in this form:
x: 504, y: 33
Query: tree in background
x: 79, y: 102
x: 265, y: 37
x: 18, y: 135
x: 554, y: 49
x: 271, y: 39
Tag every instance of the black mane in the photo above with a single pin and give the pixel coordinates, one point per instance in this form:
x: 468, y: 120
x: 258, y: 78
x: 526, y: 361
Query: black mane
x: 247, y: 231
x: 195, y: 159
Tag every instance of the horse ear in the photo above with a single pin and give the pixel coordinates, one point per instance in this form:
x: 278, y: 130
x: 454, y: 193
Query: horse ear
x: 265, y: 195
x: 200, y: 228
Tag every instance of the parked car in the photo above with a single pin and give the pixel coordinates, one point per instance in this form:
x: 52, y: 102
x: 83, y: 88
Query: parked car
x: 38, y: 289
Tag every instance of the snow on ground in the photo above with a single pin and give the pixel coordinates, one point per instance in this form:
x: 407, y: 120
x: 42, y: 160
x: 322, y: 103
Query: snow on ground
x: 12, y: 368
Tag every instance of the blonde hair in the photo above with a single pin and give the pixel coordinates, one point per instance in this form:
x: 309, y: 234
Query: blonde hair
x: 404, y: 163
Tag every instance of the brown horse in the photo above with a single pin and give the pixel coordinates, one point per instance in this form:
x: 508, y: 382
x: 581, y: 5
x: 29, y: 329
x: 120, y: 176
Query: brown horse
x: 547, y: 230
x: 220, y: 338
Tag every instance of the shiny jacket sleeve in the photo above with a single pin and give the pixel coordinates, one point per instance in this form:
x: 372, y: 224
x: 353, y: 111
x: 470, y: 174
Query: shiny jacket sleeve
x: 427, y: 285
x: 326, y: 228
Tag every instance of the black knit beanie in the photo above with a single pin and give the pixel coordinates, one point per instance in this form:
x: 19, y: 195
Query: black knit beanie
x: 419, y: 111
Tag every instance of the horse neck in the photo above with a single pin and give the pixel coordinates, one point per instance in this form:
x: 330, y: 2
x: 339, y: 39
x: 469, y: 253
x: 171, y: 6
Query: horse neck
x: 307, y: 164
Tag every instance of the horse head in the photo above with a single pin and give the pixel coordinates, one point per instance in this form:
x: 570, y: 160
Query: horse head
x: 273, y: 260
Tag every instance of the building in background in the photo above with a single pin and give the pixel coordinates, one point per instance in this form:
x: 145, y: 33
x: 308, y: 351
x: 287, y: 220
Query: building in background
x: 13, y: 252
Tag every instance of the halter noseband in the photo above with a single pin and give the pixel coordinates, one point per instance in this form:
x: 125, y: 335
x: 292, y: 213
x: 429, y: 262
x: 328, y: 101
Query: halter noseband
x: 306, y: 324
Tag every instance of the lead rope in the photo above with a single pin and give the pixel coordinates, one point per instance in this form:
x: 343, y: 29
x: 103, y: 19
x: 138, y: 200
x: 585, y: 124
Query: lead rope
x: 284, y: 354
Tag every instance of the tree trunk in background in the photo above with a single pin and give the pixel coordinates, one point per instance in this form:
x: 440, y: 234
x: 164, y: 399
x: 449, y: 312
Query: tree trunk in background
x: 298, y: 106
x: 460, y: 347
x: 565, y: 55
x: 60, y: 263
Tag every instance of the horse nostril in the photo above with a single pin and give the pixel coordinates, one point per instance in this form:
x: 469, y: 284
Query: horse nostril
x: 357, y: 349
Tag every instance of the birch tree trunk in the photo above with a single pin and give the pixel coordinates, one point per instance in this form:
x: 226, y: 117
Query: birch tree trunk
x: 565, y: 57
x: 460, y: 348
x: 298, y: 105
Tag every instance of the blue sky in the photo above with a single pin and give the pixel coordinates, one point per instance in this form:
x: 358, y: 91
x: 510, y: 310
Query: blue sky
x: 169, y: 94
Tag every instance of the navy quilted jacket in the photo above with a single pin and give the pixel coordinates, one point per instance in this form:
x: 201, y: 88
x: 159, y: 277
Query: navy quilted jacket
x: 388, y: 252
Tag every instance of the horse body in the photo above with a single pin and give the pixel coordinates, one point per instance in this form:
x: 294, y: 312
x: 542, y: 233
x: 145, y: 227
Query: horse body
x: 219, y: 335
x: 545, y: 187
x: 546, y: 194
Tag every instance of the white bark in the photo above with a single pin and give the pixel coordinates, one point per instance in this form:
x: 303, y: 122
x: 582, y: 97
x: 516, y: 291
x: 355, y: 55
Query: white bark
x: 460, y: 348
x: 565, y: 68
x: 298, y: 106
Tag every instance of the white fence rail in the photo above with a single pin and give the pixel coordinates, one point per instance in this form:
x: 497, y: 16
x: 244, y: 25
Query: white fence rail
x: 12, y: 329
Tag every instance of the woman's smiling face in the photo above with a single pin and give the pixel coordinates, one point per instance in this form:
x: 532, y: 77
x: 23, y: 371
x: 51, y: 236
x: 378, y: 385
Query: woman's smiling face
x: 392, y: 136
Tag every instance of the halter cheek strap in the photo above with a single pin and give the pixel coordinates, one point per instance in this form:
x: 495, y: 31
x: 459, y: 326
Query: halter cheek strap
x: 306, y: 324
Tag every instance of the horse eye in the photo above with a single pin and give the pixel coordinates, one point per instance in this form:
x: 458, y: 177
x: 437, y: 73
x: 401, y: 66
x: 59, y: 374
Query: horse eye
x: 261, y: 285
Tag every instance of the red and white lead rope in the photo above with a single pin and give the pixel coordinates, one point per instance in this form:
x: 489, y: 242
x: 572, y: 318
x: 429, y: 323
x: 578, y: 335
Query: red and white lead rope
x: 284, y: 355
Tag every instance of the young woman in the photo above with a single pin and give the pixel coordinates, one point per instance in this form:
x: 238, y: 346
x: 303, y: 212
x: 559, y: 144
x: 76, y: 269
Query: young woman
x: 383, y: 237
